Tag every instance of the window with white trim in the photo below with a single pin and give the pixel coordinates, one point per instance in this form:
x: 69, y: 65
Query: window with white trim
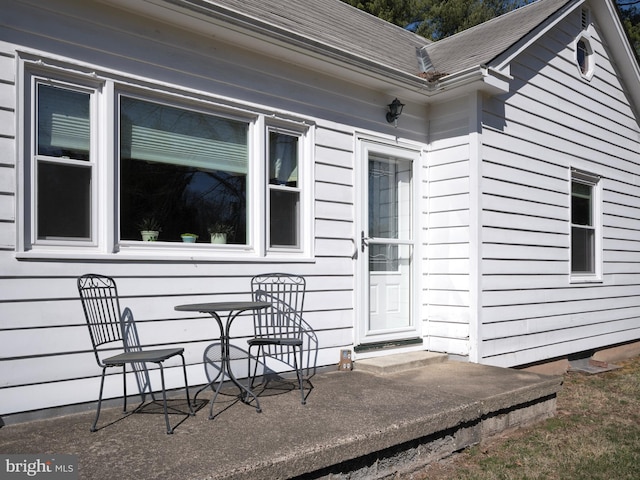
x: 585, y: 225
x: 63, y: 163
x: 176, y: 166
x: 284, y: 189
x: 583, y: 56
x: 184, y: 169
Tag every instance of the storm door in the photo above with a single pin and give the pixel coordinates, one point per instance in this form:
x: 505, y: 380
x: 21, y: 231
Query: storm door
x: 387, y: 249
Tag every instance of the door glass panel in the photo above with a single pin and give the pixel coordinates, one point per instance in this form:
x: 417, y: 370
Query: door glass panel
x: 390, y: 244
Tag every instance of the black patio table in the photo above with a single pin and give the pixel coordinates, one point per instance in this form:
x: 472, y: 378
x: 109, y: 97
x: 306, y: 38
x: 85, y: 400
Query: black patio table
x: 234, y: 309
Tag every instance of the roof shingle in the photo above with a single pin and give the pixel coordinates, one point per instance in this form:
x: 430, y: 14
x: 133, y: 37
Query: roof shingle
x: 481, y: 44
x: 338, y: 25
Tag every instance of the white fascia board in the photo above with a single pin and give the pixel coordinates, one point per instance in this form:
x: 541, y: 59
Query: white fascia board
x: 478, y: 78
x: 624, y: 56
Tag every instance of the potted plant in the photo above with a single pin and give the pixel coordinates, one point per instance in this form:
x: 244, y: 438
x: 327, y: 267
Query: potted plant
x: 189, y: 237
x: 220, y: 231
x: 149, y: 229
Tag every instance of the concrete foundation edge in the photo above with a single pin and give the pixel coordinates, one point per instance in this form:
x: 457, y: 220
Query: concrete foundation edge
x: 412, y: 455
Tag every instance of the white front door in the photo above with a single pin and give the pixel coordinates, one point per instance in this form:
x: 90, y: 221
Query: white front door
x: 387, y: 246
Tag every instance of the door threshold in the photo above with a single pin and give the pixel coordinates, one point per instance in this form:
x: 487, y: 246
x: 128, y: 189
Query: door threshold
x: 388, y: 345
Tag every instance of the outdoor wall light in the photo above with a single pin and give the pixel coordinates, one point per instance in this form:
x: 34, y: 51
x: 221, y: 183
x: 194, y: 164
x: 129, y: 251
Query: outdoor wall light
x: 395, y: 110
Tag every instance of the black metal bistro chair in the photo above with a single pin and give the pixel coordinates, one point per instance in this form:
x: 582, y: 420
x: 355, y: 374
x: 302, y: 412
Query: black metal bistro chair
x: 279, y: 328
x: 108, y: 326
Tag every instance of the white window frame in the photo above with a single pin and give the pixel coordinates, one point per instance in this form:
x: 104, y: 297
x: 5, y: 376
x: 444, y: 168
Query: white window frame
x: 28, y: 239
x: 253, y: 174
x: 303, y: 188
x: 105, y: 243
x: 595, y: 182
x: 589, y: 57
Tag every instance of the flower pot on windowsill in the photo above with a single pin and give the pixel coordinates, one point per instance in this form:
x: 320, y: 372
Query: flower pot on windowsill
x: 149, y: 235
x: 220, y: 232
x: 189, y: 237
x: 219, y: 238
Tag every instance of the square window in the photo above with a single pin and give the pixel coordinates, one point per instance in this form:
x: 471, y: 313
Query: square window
x: 185, y: 169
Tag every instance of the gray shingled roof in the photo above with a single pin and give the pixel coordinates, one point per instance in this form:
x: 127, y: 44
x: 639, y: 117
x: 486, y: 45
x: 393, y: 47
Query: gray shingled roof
x: 482, y: 44
x: 337, y: 25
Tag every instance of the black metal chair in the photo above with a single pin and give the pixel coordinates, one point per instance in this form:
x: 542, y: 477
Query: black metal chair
x: 279, y: 328
x: 107, y: 325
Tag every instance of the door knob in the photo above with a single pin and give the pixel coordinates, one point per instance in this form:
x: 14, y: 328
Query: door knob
x: 364, y: 241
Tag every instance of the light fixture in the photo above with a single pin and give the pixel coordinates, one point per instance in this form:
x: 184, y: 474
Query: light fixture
x: 395, y: 110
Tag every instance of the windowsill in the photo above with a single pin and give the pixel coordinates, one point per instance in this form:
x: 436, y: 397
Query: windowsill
x: 164, y: 255
x: 582, y: 279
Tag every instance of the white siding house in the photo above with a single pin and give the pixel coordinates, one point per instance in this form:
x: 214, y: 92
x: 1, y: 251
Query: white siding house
x: 497, y: 220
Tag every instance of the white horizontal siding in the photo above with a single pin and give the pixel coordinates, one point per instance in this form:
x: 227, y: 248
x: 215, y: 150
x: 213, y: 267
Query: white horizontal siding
x: 41, y: 319
x: 446, y: 254
x: 552, y: 121
x: 7, y: 150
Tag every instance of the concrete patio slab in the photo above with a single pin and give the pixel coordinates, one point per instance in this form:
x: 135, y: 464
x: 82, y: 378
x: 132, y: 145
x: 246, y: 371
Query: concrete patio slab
x: 353, y: 422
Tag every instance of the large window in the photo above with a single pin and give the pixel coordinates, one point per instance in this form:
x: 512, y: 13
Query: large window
x: 584, y: 224
x: 184, y: 170
x: 123, y: 170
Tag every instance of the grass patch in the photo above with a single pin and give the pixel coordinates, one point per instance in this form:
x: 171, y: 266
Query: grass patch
x: 594, y: 435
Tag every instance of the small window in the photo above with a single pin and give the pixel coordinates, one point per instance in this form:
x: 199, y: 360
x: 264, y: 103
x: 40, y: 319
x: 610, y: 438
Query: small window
x: 584, y: 57
x: 284, y: 190
x: 584, y: 224
x: 62, y: 164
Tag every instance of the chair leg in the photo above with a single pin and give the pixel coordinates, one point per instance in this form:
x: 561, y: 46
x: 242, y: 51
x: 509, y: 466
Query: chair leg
x: 215, y: 396
x: 299, y: 373
x: 124, y: 387
x: 164, y: 400
x: 186, y: 387
x: 249, y: 375
x: 95, y: 422
x: 255, y: 368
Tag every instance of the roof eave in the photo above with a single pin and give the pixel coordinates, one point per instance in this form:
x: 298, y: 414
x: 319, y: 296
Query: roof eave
x: 242, y: 30
x: 477, y: 78
x: 282, y: 43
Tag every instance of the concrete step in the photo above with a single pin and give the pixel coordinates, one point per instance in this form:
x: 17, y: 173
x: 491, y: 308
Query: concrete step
x: 399, y: 362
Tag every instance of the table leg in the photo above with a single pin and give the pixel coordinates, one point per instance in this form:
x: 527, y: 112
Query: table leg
x: 225, y: 367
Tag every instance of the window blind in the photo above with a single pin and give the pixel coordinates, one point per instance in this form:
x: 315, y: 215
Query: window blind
x: 63, y: 121
x: 160, y: 133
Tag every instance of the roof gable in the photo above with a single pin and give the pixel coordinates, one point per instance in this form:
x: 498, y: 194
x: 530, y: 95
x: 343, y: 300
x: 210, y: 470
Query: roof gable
x: 479, y: 45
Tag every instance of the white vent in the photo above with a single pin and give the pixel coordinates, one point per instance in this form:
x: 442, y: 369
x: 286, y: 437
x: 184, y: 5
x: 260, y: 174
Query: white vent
x: 586, y: 18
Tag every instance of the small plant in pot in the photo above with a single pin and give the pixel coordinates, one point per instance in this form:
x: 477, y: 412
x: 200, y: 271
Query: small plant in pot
x: 149, y: 229
x: 220, y: 232
x: 189, y: 237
